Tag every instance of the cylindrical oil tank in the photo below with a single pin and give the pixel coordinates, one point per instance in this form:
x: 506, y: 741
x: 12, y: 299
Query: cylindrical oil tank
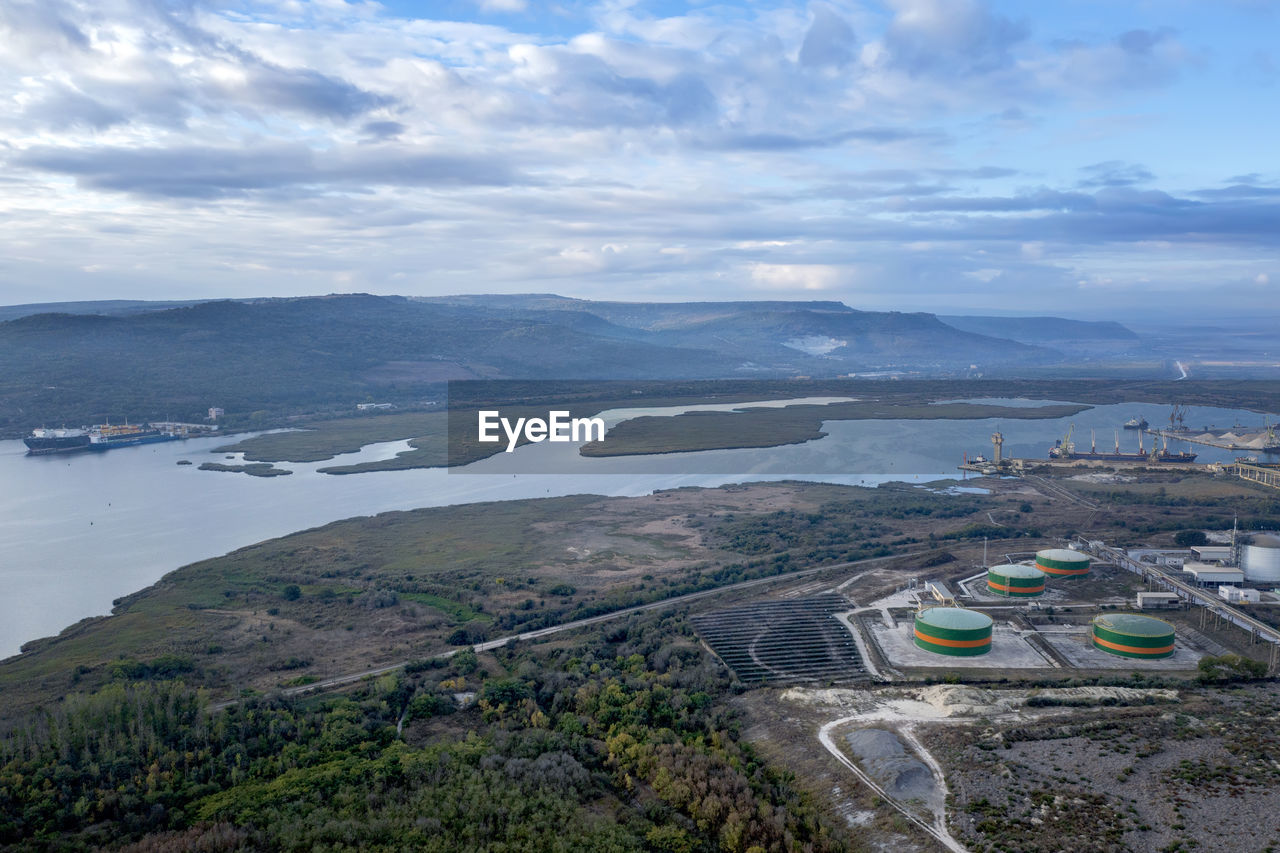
x: 953, y: 631
x: 1015, y: 581
x: 1133, y: 636
x: 1260, y: 558
x: 1062, y: 563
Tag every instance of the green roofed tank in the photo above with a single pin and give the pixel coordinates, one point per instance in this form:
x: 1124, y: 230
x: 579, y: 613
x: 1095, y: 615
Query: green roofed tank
x: 1015, y: 581
x: 1132, y: 635
x: 953, y: 631
x: 1062, y: 563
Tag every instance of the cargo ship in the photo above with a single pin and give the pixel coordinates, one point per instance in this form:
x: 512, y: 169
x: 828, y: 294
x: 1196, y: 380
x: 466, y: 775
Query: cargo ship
x: 44, y: 441
x: 106, y: 436
x: 1065, y: 449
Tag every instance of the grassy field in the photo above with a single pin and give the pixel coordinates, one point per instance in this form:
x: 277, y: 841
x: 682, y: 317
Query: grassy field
x: 326, y: 439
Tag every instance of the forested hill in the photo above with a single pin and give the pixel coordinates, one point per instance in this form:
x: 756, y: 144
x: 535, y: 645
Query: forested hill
x: 279, y: 356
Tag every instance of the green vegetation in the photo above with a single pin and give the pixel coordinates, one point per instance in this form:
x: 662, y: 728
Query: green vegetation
x: 835, y: 530
x: 771, y: 427
x: 623, y: 742
x: 253, y: 469
x: 1227, y: 668
x: 371, y: 591
x: 1189, y: 538
x: 325, y: 439
x: 623, y: 736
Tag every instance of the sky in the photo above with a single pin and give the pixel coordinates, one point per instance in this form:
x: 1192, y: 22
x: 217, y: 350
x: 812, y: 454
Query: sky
x: 1088, y: 159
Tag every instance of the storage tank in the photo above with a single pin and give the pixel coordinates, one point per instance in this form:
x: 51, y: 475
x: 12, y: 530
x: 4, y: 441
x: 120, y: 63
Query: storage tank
x: 1133, y: 636
x: 953, y: 631
x: 1015, y: 581
x: 1260, y: 558
x: 1061, y: 563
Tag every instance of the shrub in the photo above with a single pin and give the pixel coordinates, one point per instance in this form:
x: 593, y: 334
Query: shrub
x: 1190, y: 538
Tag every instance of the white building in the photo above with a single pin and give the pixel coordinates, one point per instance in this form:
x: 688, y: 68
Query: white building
x: 1158, y: 600
x: 1212, y: 553
x: 1238, y: 595
x: 1211, y: 574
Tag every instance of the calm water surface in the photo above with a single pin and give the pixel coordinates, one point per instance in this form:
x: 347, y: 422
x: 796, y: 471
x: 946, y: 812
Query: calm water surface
x: 78, y: 531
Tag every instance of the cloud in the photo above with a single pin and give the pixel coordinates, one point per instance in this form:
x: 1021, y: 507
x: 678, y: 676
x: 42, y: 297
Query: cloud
x: 951, y: 37
x: 275, y: 88
x: 1114, y: 173
x: 209, y: 173
x: 1239, y: 191
x: 1039, y: 200
x: 792, y: 142
x: 32, y: 28
x: 912, y: 150
x: 383, y: 129
x: 503, y: 5
x: 787, y: 277
x: 829, y: 43
x: 63, y: 108
x: 1133, y: 60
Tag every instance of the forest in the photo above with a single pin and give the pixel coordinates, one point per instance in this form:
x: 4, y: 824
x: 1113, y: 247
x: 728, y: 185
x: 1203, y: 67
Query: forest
x: 622, y: 739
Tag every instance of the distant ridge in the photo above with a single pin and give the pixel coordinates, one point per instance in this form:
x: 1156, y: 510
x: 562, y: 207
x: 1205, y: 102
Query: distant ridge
x: 262, y: 359
x: 265, y: 358
x: 102, y: 306
x: 1033, y: 330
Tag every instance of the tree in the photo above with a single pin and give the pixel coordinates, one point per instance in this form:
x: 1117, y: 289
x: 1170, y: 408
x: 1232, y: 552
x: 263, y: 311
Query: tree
x: 1230, y: 668
x: 292, y: 592
x: 1190, y: 538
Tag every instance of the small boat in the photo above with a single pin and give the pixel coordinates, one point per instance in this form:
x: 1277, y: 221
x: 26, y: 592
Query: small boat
x: 1136, y: 423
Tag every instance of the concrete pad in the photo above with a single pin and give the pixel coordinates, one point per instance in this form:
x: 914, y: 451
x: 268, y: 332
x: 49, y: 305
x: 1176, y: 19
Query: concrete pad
x: 1009, y: 650
x: 1074, y: 645
x: 979, y: 592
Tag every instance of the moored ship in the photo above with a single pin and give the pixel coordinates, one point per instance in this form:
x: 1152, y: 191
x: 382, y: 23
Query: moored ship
x: 44, y: 441
x: 1065, y: 448
x: 106, y: 436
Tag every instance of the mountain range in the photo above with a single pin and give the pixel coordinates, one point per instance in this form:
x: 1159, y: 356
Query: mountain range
x: 78, y: 362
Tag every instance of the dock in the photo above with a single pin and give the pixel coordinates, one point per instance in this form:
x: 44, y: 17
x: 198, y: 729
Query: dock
x: 1267, y: 475
x: 1263, y: 440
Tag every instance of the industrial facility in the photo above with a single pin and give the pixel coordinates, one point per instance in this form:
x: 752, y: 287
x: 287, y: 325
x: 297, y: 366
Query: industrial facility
x: 1015, y: 581
x: 953, y: 631
x: 1062, y: 563
x: 1260, y: 558
x: 1062, y: 608
x: 1132, y: 635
